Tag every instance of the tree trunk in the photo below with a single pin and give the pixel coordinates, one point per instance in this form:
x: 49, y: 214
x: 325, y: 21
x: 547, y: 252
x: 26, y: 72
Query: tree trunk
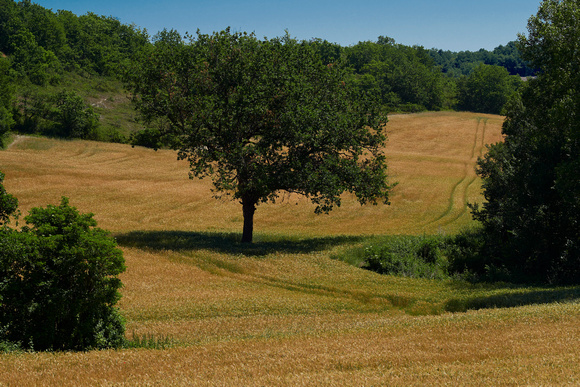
x: 248, y: 207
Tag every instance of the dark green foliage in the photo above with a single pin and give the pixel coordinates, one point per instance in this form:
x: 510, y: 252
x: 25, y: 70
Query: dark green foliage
x: 328, y: 52
x: 486, y: 89
x: 99, y: 44
x: 456, y: 64
x: 8, y: 347
x: 263, y: 116
x: 6, y: 95
x: 63, y: 114
x: 470, y: 260
x: 531, y: 181
x: 31, y: 113
x: 72, y: 117
x: 59, y: 282
x: 41, y: 43
x: 408, y: 256
x: 112, y: 134
x: 404, y: 77
x: 149, y: 138
x: 8, y: 203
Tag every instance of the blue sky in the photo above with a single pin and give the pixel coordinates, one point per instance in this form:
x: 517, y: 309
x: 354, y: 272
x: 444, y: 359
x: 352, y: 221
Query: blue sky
x: 445, y: 24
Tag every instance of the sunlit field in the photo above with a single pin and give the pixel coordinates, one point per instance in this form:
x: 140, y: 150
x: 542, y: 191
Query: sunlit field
x: 431, y: 157
x: 284, y: 311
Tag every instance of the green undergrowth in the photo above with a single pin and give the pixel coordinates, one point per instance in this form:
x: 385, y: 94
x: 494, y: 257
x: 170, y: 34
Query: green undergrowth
x: 439, y: 260
x: 401, y: 255
x: 415, y: 274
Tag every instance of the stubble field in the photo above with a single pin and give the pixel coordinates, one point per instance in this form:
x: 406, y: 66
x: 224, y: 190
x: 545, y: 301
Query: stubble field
x: 284, y: 312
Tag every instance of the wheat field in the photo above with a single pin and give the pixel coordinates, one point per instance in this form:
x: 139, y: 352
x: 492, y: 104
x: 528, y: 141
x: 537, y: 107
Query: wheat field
x: 283, y: 311
x: 430, y: 155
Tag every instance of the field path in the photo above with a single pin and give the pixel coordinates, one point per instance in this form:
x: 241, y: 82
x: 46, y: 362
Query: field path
x: 459, y: 195
x: 17, y: 139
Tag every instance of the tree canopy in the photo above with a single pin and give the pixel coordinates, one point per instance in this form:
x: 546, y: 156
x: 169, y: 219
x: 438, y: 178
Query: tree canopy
x: 6, y: 94
x: 41, y: 44
x: 531, y: 182
x: 486, y: 89
x: 43, y: 51
x: 405, y: 78
x: 263, y: 116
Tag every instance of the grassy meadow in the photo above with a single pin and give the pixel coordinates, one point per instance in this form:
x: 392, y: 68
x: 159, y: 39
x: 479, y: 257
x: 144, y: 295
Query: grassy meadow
x: 285, y: 311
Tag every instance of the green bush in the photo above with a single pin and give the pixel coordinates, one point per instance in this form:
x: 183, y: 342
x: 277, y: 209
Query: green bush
x: 470, y: 259
x: 112, y: 134
x: 59, y: 282
x: 465, y: 253
x: 408, y: 256
x: 149, y: 138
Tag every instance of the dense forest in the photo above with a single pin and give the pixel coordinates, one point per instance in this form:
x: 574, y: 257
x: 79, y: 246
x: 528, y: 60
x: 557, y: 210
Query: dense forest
x: 57, y: 68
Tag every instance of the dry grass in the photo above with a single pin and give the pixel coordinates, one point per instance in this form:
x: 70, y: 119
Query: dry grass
x: 532, y: 346
x: 431, y: 155
x: 283, y: 312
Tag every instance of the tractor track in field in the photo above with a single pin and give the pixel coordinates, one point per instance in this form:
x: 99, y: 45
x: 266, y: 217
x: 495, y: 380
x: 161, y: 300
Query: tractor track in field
x: 17, y: 139
x: 459, y: 194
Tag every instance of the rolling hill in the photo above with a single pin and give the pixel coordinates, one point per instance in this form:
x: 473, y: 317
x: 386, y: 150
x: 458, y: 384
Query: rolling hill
x: 283, y: 311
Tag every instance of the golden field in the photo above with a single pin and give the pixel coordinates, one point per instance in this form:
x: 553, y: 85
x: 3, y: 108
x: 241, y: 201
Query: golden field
x: 283, y: 311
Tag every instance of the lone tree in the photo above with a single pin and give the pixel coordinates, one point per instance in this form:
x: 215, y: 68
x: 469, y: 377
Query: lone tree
x: 532, y: 180
x: 261, y: 117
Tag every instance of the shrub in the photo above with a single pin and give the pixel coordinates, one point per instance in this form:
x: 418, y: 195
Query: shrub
x: 149, y: 138
x: 465, y: 252
x: 112, y: 134
x: 59, y: 282
x: 409, y: 256
x: 471, y: 260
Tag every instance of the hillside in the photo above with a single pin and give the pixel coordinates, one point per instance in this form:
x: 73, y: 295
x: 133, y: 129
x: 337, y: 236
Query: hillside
x: 430, y: 155
x: 44, y: 53
x: 284, y: 312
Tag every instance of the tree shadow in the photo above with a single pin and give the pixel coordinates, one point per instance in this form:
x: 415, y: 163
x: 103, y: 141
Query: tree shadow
x: 228, y: 242
x: 514, y: 296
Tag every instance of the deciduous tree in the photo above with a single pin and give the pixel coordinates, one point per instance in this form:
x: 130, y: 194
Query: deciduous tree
x: 263, y: 116
x: 487, y: 89
x: 531, y: 181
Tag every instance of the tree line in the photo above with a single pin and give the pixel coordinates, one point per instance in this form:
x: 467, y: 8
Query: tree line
x: 42, y: 44
x: 39, y: 46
